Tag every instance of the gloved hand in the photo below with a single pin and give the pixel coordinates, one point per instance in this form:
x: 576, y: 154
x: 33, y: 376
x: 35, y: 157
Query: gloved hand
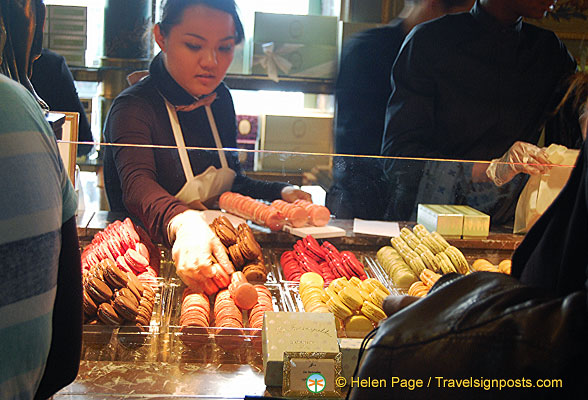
x: 521, y: 157
x: 196, y: 251
x: 291, y: 194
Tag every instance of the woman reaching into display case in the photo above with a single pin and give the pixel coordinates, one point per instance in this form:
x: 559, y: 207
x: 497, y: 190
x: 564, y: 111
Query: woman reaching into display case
x: 182, y: 103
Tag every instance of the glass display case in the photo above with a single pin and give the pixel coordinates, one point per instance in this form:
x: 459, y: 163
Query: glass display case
x: 166, y: 358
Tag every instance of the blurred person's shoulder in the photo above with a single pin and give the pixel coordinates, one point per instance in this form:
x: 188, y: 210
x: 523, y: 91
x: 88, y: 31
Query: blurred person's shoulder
x: 18, y: 109
x: 445, y: 28
x: 379, y: 38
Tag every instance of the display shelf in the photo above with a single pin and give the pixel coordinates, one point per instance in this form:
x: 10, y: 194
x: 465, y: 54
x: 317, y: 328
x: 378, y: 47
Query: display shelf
x: 236, y: 81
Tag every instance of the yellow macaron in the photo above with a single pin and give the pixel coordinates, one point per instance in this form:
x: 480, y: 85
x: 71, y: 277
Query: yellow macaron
x: 373, y: 312
x: 351, y: 297
x: 357, y: 326
x: 340, y: 310
x: 311, y: 279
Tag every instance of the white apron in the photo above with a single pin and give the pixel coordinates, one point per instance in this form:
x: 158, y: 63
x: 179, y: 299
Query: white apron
x: 209, y: 185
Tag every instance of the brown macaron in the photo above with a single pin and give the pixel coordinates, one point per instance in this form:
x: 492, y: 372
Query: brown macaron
x: 115, y: 277
x: 143, y: 316
x: 98, y: 290
x: 125, y: 307
x: 249, y: 246
x: 225, y: 231
x: 135, y: 285
x: 149, y: 293
x: 255, y: 272
x: 236, y: 256
x: 108, y: 315
x: 242, y: 228
x: 89, y: 305
x: 126, y: 292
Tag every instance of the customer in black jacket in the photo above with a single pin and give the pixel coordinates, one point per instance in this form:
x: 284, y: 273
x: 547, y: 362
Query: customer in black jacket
x: 466, y: 87
x: 54, y: 83
x: 362, y: 90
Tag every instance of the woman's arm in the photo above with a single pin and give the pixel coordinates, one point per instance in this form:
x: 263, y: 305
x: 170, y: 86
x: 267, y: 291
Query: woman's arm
x: 130, y: 121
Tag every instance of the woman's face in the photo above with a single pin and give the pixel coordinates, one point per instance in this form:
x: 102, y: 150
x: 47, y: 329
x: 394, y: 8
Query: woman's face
x: 199, y: 50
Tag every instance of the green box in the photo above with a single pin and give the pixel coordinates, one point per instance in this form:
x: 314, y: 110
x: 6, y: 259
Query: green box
x: 294, y: 332
x: 72, y: 57
x: 286, y: 134
x: 68, y: 27
x: 441, y: 218
x: 300, y: 29
x: 476, y: 224
x: 308, y: 61
x: 73, y: 42
x: 67, y: 12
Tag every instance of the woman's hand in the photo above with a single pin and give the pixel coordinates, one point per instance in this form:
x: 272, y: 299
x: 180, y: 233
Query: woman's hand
x: 291, y: 194
x: 522, y: 157
x: 196, y: 251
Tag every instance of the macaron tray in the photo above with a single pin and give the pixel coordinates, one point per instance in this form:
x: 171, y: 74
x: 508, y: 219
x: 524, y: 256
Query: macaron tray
x: 128, y: 342
x: 220, y: 327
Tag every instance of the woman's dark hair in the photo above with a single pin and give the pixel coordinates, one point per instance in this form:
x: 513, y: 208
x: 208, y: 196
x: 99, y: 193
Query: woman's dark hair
x: 173, y: 10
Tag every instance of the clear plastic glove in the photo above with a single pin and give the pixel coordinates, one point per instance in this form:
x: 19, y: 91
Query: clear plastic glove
x: 196, y: 251
x: 522, y: 157
x: 291, y: 194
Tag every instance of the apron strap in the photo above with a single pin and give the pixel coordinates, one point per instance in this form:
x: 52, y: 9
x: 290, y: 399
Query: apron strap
x: 177, y: 130
x: 219, y: 145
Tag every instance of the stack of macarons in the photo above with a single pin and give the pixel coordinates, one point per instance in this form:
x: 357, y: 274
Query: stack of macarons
x: 279, y: 213
x: 248, y: 207
x: 417, y: 250
x: 482, y: 264
x: 195, y: 311
x: 116, y: 297
x: 295, y: 214
x: 228, y: 318
x: 311, y: 292
x: 228, y: 309
x: 120, y: 243
x: 358, y: 304
x: 318, y: 215
x: 421, y: 287
x: 401, y: 274
x: 326, y: 260
x: 242, y: 248
x: 264, y: 303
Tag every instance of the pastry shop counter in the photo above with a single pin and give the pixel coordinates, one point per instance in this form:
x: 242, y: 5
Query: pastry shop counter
x: 501, y: 242
x: 169, y: 357
x: 138, y: 380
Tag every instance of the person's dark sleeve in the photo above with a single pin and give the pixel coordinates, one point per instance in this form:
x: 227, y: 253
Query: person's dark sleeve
x: 66, y: 341
x: 258, y: 189
x: 130, y: 122
x: 410, y: 116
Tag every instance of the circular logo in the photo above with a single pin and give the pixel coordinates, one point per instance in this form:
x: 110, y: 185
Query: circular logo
x: 315, y: 383
x: 244, y: 127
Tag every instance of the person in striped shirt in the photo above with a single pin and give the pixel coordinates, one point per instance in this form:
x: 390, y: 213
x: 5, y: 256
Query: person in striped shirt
x: 40, y: 269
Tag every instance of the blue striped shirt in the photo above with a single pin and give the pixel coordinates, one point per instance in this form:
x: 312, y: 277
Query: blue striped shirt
x: 36, y: 198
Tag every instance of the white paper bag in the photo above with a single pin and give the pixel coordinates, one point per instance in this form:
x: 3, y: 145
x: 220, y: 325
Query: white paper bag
x: 541, y: 190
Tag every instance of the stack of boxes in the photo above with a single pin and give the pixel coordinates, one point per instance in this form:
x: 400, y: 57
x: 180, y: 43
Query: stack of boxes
x: 453, y: 221
x: 65, y: 32
x: 307, y: 42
